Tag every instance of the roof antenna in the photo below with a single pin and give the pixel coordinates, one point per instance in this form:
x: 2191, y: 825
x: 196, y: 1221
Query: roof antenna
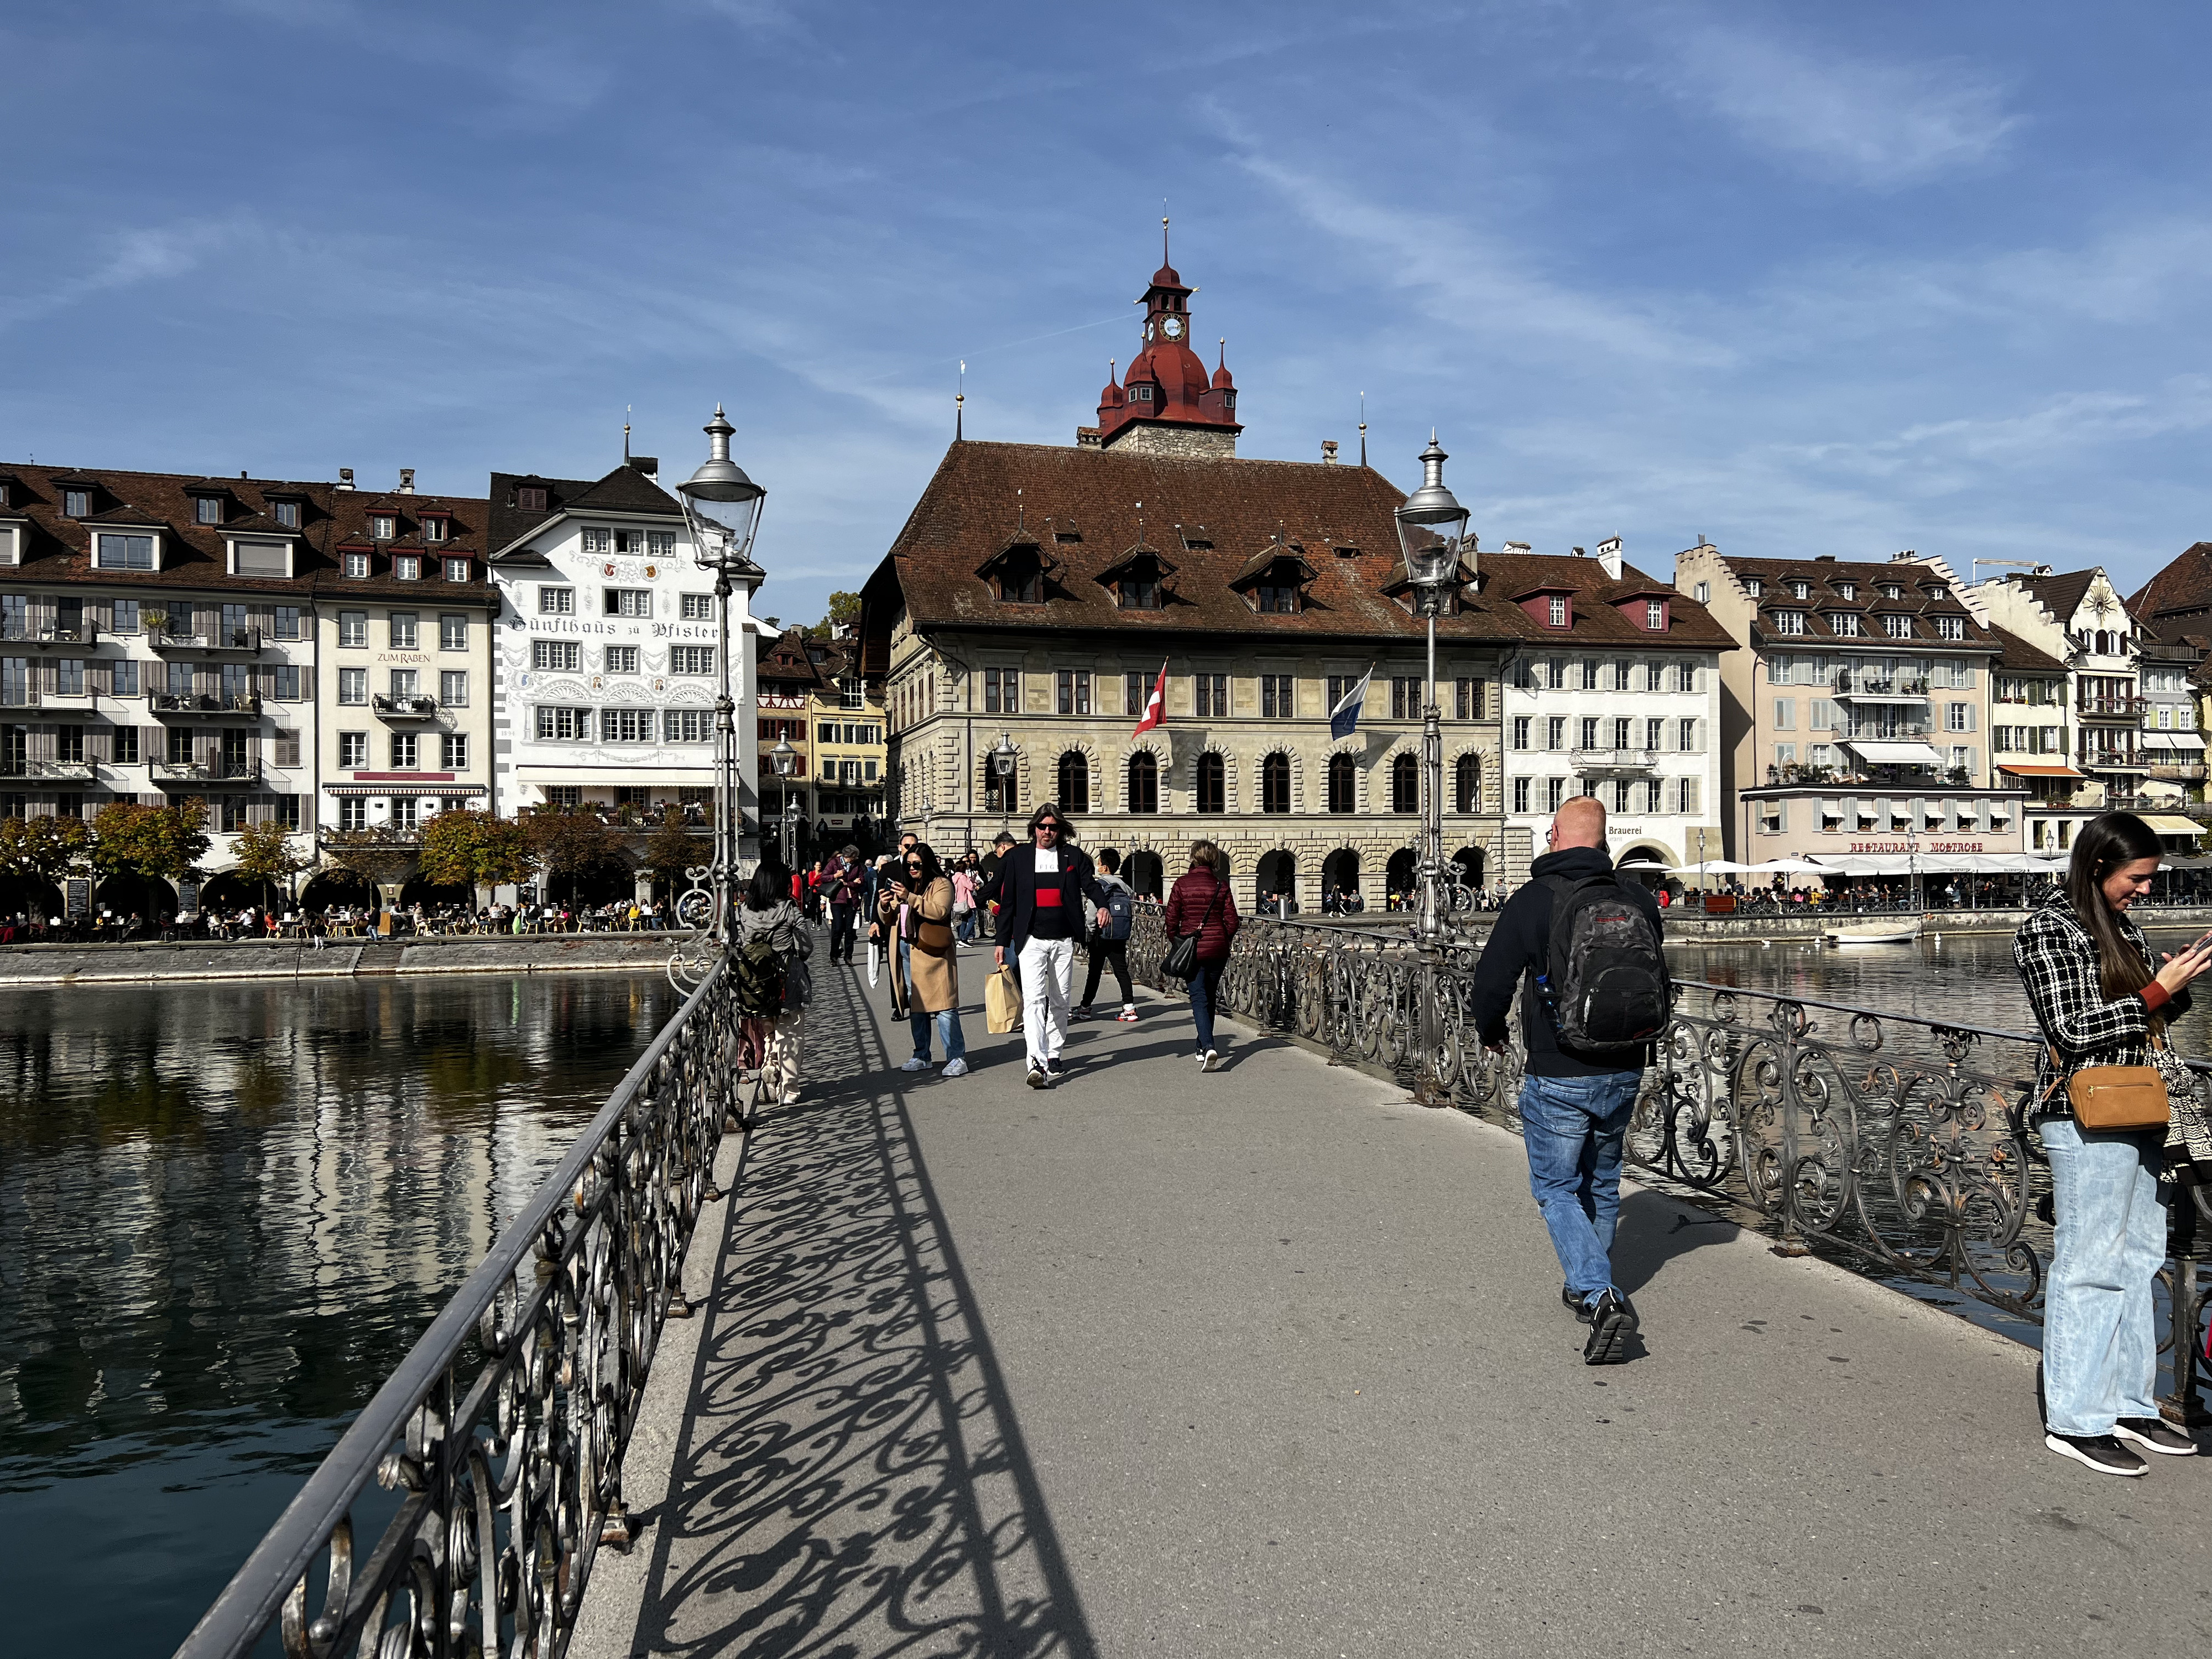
x: 960, y: 403
x: 1363, y: 428
x: 1163, y: 230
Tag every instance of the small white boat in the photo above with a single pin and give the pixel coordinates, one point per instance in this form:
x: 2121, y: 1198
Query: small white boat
x: 1874, y: 932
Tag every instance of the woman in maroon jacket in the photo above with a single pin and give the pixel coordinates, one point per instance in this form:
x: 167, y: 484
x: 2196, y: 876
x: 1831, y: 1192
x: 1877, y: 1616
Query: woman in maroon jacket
x: 1201, y: 903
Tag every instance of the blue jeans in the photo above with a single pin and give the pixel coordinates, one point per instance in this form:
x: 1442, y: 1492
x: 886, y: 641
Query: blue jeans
x: 2100, y: 1344
x: 1205, y: 997
x: 948, y: 1033
x: 1573, y: 1128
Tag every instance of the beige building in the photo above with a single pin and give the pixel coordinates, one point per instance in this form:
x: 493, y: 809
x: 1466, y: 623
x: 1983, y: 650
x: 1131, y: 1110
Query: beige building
x: 403, y: 619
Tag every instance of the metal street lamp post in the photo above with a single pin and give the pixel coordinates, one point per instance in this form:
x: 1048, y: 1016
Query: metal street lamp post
x: 1432, y: 533
x: 785, y: 759
x: 721, y: 513
x: 1002, y: 765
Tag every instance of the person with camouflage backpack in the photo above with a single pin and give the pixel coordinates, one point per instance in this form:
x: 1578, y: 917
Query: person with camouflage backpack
x: 769, y: 966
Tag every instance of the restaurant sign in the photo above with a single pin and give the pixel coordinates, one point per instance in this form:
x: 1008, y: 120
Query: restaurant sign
x: 1915, y: 847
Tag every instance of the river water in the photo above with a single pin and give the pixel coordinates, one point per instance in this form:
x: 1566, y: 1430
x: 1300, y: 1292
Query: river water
x: 228, y: 1211
x: 225, y: 1212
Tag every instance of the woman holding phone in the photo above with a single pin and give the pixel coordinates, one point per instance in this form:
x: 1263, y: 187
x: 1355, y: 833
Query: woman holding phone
x: 2101, y: 1000
x: 916, y: 909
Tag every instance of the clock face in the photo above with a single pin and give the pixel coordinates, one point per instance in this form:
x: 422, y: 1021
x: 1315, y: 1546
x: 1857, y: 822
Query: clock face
x: 1172, y: 327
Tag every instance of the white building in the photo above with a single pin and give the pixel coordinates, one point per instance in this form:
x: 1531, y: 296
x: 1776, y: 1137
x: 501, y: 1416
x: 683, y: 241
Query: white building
x: 1618, y: 697
x: 605, y: 656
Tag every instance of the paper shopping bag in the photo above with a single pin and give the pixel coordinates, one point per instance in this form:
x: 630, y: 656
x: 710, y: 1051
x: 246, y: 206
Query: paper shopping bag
x: 1002, y: 1003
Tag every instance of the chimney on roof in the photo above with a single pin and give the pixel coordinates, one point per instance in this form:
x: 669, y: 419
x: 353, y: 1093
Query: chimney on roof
x: 1608, y: 555
x: 1328, y: 452
x: 407, y: 481
x: 1906, y: 557
x: 1580, y: 553
x: 1521, y: 547
x: 345, y: 478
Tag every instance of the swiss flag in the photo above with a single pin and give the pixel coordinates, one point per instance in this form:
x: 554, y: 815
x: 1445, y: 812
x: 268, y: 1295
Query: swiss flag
x: 1156, y: 710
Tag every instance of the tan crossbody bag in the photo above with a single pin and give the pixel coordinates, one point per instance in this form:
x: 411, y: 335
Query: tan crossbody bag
x: 2116, y: 1097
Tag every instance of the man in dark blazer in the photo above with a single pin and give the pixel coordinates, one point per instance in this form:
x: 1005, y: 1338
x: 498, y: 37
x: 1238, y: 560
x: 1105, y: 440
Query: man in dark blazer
x: 1043, y: 889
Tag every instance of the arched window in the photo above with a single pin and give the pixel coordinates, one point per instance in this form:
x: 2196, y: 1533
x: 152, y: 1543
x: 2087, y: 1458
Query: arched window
x: 1466, y: 785
x: 1275, y: 783
x: 1212, y: 784
x: 1343, y: 784
x: 1074, y: 782
x: 1406, y: 784
x: 1144, y: 782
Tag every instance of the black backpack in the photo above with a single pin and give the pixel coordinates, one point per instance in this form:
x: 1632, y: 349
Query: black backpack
x: 1605, y: 982
x: 759, y: 971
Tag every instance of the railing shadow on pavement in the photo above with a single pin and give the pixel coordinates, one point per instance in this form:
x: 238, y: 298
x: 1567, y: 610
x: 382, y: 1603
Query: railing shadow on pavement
x: 851, y: 1479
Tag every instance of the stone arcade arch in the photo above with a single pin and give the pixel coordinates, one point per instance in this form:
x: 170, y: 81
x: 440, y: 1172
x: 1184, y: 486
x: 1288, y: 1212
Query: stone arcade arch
x: 1276, y: 873
x: 1470, y: 863
x: 1398, y: 874
x: 1143, y: 872
x: 1341, y: 871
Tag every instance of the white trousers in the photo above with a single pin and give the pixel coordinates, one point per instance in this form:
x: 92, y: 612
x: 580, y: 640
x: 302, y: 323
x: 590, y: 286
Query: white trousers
x: 786, y: 1045
x: 1048, y: 968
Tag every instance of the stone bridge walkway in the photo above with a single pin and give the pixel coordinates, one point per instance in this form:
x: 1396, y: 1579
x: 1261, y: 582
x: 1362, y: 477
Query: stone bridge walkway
x: 1271, y: 1362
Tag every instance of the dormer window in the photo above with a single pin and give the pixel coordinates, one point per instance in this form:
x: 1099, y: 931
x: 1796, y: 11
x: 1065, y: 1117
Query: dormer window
x: 1896, y: 626
x: 1556, y: 610
x: 1892, y: 591
x: 356, y: 567
x: 286, y: 514
x: 122, y: 552
x: 1275, y: 599
x: 1021, y: 578
x: 1273, y: 580
x: 1848, y: 590
x: 1754, y: 587
x: 1844, y: 625
x: 530, y: 498
x: 383, y: 527
x: 456, y: 570
x: 1655, y: 615
x: 1800, y: 590
x: 1140, y: 590
x: 407, y: 568
x: 1789, y: 622
x: 433, y: 528
x: 76, y: 503
x: 1950, y: 628
x: 1140, y: 394
x: 207, y: 509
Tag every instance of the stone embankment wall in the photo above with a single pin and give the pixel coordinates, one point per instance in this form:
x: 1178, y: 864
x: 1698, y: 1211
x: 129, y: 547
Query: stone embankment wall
x: 94, y: 964
x: 1686, y: 926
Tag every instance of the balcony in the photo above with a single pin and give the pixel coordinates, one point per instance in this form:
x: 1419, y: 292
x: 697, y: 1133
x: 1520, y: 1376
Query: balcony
x: 82, y: 635
x: 242, y: 639
x: 190, y: 705
x: 50, y: 771
x: 406, y: 708
x: 1612, y: 762
x: 2177, y: 771
x: 2112, y: 760
x: 1866, y: 688
x: 2112, y: 709
x: 193, y: 774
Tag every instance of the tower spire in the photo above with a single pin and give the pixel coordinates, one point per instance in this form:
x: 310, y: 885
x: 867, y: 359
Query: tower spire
x: 960, y: 402
x: 1363, y: 428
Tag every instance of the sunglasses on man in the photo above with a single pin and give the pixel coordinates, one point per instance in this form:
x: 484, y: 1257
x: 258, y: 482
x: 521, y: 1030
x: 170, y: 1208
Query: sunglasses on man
x: 1050, y: 823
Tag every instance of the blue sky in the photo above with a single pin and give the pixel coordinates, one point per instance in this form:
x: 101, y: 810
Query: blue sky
x: 1805, y: 279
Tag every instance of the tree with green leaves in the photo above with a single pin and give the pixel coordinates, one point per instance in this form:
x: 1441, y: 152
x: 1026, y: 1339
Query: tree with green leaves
x: 674, y: 849
x: 844, y: 611
x: 41, y: 849
x: 263, y: 853
x: 163, y: 843
x: 470, y: 849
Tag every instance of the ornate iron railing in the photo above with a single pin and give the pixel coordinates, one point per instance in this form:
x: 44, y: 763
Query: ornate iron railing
x: 503, y: 1430
x: 1898, y: 1144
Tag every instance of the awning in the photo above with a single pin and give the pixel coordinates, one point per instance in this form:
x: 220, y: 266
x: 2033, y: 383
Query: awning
x: 419, y: 791
x: 2167, y: 824
x: 628, y: 777
x: 2188, y: 740
x: 2039, y: 771
x: 1895, y: 754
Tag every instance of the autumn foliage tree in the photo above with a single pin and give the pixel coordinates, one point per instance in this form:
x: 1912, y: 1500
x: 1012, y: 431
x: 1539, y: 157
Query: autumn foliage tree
x: 469, y: 848
x: 162, y: 843
x: 380, y: 855
x: 43, y: 849
x: 674, y: 849
x: 570, y: 843
x: 263, y: 853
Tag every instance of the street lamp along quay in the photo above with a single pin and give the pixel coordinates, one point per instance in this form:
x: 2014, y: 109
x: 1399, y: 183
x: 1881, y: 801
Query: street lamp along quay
x: 785, y: 759
x: 1432, y: 533
x: 721, y: 513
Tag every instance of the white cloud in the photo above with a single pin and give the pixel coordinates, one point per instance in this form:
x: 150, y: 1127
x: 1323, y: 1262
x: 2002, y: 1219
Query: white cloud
x: 152, y: 254
x: 1872, y: 123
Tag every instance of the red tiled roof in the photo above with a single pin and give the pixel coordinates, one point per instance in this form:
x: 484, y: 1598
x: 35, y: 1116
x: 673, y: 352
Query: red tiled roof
x: 1926, y: 596
x: 2184, y: 585
x: 2022, y: 658
x: 1212, y: 520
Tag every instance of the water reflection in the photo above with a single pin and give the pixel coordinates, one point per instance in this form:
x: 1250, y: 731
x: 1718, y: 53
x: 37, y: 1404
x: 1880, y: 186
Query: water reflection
x: 225, y: 1212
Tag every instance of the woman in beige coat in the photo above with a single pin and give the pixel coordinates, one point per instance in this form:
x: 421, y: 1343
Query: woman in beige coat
x: 915, y: 908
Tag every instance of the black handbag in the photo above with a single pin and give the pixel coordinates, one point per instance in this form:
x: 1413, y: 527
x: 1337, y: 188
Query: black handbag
x: 1181, y: 961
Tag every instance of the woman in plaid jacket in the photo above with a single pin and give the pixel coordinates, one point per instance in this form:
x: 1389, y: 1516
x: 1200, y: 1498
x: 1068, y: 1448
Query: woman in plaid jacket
x: 2100, y: 1002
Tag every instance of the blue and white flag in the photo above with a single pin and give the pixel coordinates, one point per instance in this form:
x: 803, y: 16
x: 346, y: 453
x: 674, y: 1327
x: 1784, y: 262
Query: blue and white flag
x: 1344, y: 719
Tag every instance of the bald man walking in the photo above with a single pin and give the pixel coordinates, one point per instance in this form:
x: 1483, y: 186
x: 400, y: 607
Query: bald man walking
x: 1577, y: 1099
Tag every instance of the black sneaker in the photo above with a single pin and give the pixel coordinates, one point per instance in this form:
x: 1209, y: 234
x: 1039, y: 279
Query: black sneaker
x: 1083, y: 1013
x: 1612, y: 1322
x: 2102, y: 1452
x: 1038, y: 1079
x: 2155, y: 1434
x: 1573, y: 1304
x: 1057, y: 1068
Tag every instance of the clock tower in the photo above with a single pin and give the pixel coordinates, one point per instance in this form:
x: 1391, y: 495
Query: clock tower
x: 1167, y: 404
